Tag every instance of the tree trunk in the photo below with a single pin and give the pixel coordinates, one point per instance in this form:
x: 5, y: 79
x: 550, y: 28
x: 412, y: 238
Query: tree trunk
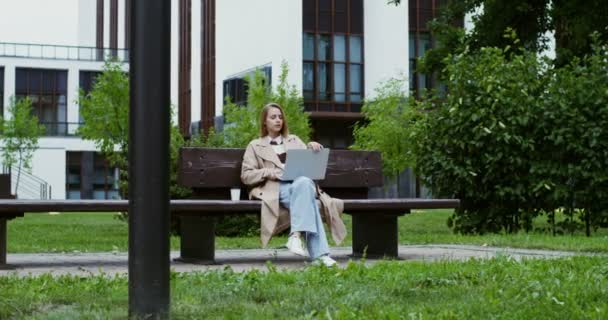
x: 587, y: 223
x: 552, y: 219
x: 18, y: 177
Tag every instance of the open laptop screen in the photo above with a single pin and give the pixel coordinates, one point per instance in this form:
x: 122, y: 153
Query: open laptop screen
x: 307, y: 163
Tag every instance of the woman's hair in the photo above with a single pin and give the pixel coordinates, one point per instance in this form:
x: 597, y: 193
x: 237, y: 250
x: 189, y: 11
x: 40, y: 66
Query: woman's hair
x: 264, y: 114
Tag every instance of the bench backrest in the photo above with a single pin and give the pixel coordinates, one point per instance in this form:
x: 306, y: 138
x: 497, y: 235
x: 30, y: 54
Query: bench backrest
x: 211, y: 171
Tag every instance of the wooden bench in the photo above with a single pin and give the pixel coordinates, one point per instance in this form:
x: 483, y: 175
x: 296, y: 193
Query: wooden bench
x: 212, y: 172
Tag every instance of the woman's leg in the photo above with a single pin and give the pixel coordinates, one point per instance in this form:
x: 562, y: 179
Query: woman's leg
x: 306, y: 217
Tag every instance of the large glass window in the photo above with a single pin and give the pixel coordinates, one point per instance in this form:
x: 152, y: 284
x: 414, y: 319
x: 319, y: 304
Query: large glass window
x: 309, y: 47
x: 333, y: 55
x: 421, y: 12
x: 47, y: 89
x: 235, y: 88
x: 87, y: 81
x: 89, y: 176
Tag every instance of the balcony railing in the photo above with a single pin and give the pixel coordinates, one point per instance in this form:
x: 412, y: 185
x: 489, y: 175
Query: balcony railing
x: 30, y: 186
x: 55, y: 52
x: 60, y: 129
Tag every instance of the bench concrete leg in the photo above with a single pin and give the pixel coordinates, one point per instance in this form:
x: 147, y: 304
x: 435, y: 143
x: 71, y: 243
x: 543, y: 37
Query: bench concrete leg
x: 197, y: 244
x: 375, y: 236
x: 3, y: 242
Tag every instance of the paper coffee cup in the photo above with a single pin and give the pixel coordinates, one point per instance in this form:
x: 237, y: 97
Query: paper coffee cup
x: 235, y: 194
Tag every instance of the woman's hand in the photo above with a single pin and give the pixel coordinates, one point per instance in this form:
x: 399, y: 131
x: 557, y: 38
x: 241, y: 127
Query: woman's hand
x: 275, y: 174
x: 314, y: 146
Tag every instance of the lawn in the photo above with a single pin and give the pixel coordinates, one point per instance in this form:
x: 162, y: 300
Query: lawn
x: 501, y: 288
x: 94, y: 232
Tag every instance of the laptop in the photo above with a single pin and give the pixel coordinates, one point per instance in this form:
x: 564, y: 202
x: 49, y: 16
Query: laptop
x: 306, y: 163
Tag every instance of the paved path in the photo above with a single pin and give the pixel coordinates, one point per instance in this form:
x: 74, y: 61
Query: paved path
x: 242, y: 260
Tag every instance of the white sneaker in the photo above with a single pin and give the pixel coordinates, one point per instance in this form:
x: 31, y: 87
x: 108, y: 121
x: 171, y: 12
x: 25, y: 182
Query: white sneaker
x: 325, y: 260
x: 294, y: 244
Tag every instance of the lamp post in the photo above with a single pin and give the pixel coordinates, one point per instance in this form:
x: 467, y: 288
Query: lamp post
x: 149, y: 121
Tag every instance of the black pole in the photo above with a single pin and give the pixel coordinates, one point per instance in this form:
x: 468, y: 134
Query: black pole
x: 149, y: 159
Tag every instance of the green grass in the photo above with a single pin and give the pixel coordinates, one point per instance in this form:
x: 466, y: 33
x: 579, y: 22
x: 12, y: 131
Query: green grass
x: 94, y: 232
x: 502, y: 288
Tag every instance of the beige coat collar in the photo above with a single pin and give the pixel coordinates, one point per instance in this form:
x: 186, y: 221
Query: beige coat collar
x: 264, y: 150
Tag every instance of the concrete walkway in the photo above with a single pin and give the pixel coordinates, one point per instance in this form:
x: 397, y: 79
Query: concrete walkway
x: 241, y: 260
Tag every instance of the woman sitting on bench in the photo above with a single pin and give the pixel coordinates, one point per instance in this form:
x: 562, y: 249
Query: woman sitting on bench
x: 263, y: 164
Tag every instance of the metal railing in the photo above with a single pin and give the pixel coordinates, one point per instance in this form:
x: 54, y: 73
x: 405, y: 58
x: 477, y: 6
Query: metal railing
x: 56, y: 52
x: 30, y: 186
x: 60, y: 129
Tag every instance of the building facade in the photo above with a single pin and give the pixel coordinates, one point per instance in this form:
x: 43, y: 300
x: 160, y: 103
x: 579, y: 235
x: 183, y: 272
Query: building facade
x: 337, y: 52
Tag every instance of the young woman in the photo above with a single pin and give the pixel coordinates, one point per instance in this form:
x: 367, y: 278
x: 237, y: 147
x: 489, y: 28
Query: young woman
x: 287, y: 204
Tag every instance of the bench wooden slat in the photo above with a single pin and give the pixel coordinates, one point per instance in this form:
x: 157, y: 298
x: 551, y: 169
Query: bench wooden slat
x: 215, y: 206
x: 220, y: 168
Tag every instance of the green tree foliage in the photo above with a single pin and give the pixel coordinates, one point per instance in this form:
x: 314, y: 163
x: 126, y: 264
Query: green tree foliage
x: 391, y: 118
x: 572, y: 22
x: 105, y: 111
x: 575, y: 137
x: 477, y: 145
x: 20, y: 133
x: 242, y: 122
x: 516, y: 137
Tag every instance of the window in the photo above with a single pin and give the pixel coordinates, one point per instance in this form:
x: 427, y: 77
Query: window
x: 47, y: 89
x: 333, y: 55
x: 89, y: 176
x: 87, y: 82
x: 421, y: 12
x: 420, y: 43
x: 1, y: 91
x: 235, y: 87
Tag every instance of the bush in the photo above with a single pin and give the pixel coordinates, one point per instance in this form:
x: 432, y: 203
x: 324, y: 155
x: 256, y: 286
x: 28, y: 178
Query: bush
x: 573, y: 137
x: 514, y: 138
x: 391, y: 119
x: 478, y: 145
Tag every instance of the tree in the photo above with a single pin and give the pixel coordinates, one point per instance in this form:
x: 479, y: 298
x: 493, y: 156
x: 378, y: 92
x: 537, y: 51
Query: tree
x: 572, y: 22
x: 105, y: 111
x: 390, y: 120
x: 20, y: 135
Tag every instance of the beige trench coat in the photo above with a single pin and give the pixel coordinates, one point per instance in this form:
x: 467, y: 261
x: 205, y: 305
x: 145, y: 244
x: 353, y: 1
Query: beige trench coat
x: 259, y: 162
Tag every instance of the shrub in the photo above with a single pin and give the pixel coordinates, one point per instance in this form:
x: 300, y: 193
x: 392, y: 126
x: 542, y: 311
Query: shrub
x: 573, y: 137
x: 390, y: 121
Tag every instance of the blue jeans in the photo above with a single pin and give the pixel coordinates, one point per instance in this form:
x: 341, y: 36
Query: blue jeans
x: 299, y: 197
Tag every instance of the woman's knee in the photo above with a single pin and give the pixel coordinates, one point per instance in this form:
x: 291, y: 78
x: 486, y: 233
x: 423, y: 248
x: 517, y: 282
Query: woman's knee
x: 303, y: 182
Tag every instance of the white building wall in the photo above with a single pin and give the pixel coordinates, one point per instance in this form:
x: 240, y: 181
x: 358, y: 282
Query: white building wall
x: 174, y: 57
x: 385, y: 43
x: 73, y: 91
x: 39, y: 21
x: 255, y: 33
x: 87, y: 15
x: 9, y: 86
x: 122, y: 11
x: 106, y: 23
x: 49, y: 164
